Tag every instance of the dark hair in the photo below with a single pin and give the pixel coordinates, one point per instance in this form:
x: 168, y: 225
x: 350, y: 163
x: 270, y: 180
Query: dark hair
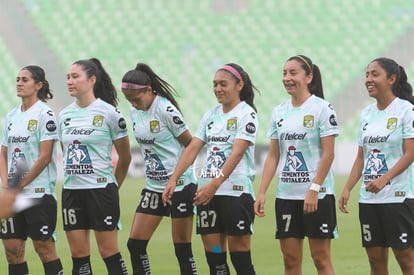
x: 315, y: 87
x: 38, y: 75
x: 144, y: 75
x: 401, y: 88
x: 247, y: 92
x: 103, y: 89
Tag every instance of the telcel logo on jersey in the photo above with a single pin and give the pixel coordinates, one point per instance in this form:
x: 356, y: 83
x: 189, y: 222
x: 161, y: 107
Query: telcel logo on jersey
x: 145, y: 141
x: 377, y: 139
x: 17, y: 139
x: 218, y: 138
x: 293, y: 136
x: 85, y: 132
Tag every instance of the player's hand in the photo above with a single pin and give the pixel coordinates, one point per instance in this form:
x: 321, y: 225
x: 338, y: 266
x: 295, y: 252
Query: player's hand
x: 343, y: 201
x: 259, y: 205
x: 376, y: 185
x: 168, y: 192
x: 310, y: 204
x: 205, y: 193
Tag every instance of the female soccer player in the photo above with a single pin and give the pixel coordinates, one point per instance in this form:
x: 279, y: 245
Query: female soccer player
x: 302, y: 137
x: 88, y: 130
x: 384, y: 160
x: 225, y: 194
x: 162, y: 134
x: 27, y: 163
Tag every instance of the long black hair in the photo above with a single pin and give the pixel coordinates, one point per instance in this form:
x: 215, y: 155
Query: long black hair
x: 103, y: 88
x: 247, y: 92
x: 145, y: 76
x: 401, y: 88
x: 315, y: 87
x: 38, y: 75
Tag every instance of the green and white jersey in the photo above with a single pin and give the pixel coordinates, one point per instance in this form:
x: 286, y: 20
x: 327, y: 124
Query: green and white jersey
x: 22, y: 134
x: 156, y: 132
x: 219, y: 131
x: 299, y: 131
x: 381, y: 135
x: 87, y: 135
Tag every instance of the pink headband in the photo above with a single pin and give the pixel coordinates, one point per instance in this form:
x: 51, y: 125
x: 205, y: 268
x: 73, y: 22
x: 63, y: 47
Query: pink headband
x: 132, y: 86
x: 233, y: 71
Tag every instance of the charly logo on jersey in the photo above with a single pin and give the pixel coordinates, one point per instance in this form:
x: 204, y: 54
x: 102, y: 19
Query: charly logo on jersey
x: 392, y: 123
x: 295, y: 169
x: 98, y: 121
x: 78, y: 161
x: 18, y: 168
x: 215, y: 161
x: 308, y: 121
x: 154, y: 168
x: 232, y: 124
x: 155, y: 126
x: 375, y: 166
x: 32, y: 125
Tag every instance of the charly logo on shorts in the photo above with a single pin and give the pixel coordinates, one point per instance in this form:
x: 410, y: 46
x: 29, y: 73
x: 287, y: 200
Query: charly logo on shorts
x: 98, y: 121
x: 32, y: 125
x: 155, y: 126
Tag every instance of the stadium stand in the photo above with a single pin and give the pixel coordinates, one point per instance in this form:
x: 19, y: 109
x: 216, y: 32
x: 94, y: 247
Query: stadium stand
x: 186, y: 41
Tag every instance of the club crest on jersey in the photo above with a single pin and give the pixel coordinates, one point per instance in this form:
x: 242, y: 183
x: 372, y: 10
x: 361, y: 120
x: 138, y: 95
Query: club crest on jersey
x: 308, y: 121
x: 98, y: 121
x: 32, y: 125
x: 392, y: 123
x: 232, y: 124
x: 155, y: 126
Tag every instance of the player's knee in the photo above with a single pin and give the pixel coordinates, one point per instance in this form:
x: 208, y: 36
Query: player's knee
x: 137, y: 246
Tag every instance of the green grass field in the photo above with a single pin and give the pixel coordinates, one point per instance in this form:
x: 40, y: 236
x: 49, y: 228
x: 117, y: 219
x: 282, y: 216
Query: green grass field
x: 348, y: 255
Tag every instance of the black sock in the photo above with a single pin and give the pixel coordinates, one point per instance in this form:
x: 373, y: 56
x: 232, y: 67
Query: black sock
x: 81, y: 266
x: 139, y: 258
x: 53, y: 268
x: 242, y: 262
x: 18, y: 269
x: 185, y: 258
x: 116, y: 265
x: 217, y: 263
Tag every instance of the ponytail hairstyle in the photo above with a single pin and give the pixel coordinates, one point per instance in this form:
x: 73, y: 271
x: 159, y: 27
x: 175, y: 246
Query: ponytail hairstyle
x: 401, y: 88
x: 239, y: 74
x: 38, y: 75
x: 315, y: 86
x: 103, y: 88
x: 143, y: 76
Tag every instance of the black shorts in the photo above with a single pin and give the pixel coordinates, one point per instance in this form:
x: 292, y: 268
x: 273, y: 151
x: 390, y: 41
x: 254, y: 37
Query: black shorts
x: 387, y: 224
x: 233, y: 216
x: 37, y: 222
x: 96, y: 209
x: 182, y: 203
x: 292, y: 222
